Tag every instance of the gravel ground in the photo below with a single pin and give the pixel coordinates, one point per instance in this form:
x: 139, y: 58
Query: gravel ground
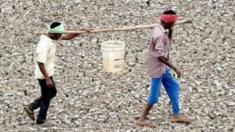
x: 89, y: 99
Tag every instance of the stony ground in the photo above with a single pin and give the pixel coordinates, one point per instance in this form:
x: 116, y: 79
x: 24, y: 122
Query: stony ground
x: 89, y: 99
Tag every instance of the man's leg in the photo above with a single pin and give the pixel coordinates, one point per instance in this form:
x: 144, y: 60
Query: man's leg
x: 47, y: 94
x: 172, y: 88
x: 36, y: 103
x: 44, y: 103
x: 29, y: 109
x: 152, y: 99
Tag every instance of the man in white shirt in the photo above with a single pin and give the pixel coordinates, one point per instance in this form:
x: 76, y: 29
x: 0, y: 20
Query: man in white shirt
x: 44, y: 70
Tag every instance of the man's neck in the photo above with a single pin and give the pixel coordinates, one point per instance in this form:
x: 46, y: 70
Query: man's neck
x: 163, y: 26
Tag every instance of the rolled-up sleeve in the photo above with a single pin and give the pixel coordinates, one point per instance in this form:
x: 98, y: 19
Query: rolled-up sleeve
x: 42, y: 50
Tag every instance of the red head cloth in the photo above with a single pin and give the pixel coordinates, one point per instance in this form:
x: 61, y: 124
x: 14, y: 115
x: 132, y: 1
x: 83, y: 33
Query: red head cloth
x: 168, y: 18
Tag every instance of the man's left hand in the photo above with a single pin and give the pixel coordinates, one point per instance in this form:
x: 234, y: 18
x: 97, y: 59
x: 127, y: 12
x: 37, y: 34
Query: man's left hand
x: 178, y: 72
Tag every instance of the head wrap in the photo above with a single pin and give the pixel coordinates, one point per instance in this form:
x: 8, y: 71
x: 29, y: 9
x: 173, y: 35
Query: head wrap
x: 168, y: 18
x: 57, y: 29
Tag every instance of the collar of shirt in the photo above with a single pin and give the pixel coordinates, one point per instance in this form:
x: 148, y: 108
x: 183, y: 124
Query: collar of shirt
x: 163, y: 29
x: 45, y: 37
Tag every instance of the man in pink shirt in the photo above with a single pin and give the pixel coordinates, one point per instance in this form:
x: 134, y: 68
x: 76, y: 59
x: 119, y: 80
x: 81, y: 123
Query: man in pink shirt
x: 159, y: 69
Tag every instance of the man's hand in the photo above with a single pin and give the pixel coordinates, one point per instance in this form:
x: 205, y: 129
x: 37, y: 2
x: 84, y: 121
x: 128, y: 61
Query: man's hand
x: 178, y: 72
x: 49, y: 83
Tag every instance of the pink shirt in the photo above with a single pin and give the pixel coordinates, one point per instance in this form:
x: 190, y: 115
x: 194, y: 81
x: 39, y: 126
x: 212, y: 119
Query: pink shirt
x: 159, y: 45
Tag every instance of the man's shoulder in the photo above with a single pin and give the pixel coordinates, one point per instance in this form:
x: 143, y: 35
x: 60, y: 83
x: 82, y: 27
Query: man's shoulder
x: 44, y: 40
x: 44, y: 43
x: 158, y: 31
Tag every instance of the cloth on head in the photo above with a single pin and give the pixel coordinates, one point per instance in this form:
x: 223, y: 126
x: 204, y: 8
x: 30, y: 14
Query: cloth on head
x: 168, y: 18
x: 58, y: 29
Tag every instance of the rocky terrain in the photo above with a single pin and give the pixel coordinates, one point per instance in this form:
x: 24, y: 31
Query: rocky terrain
x: 89, y: 99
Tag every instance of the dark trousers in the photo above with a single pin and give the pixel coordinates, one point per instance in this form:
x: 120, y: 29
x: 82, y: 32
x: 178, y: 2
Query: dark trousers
x: 43, y: 102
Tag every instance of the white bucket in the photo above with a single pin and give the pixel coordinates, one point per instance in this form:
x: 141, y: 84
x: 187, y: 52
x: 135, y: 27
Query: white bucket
x: 113, y: 55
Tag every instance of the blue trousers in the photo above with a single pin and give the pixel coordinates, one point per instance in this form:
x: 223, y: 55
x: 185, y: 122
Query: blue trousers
x: 171, y: 86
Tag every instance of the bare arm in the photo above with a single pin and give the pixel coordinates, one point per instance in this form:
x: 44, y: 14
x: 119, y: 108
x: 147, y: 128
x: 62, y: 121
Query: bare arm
x: 166, y: 62
x: 43, y: 70
x: 68, y: 36
x: 44, y: 73
x: 74, y: 35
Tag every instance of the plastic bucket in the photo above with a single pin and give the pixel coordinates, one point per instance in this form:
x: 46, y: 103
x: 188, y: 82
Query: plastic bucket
x: 113, y: 55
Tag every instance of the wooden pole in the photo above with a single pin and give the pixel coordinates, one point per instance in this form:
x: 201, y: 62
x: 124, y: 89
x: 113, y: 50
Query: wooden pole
x: 123, y: 29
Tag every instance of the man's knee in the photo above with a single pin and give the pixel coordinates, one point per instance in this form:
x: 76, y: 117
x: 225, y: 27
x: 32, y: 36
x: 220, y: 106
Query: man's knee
x: 175, y: 84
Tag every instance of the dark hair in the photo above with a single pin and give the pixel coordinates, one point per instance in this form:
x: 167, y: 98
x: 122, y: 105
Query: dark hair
x: 55, y: 24
x: 170, y: 12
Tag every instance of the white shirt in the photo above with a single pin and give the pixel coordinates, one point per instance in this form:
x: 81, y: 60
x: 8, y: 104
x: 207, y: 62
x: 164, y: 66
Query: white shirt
x: 45, y: 53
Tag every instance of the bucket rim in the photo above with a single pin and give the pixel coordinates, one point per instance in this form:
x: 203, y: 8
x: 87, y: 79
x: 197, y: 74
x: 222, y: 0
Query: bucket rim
x: 116, y: 42
x: 110, y: 41
x: 112, y: 45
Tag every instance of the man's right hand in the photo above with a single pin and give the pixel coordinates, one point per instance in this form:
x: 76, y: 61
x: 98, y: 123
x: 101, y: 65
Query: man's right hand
x: 178, y: 72
x: 49, y: 82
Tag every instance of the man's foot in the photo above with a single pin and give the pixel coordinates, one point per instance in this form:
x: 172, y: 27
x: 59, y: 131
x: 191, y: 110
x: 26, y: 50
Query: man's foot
x: 143, y: 123
x: 29, y: 112
x: 40, y: 121
x: 180, y: 119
